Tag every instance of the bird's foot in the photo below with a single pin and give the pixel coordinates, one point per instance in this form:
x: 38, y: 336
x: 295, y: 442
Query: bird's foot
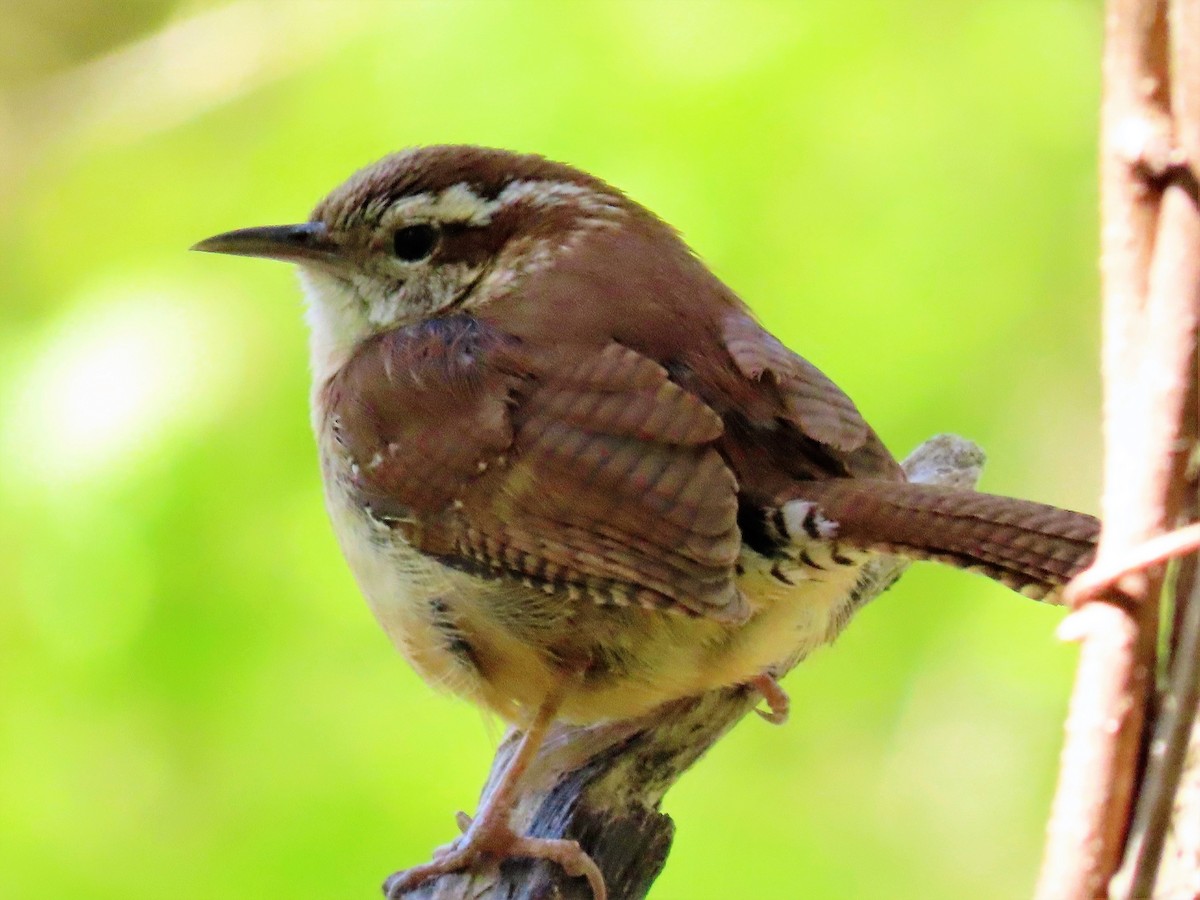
x: 776, y: 698
x: 486, y: 843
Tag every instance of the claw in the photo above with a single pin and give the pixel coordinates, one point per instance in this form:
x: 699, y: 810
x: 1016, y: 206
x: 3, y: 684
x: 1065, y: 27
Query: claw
x: 488, y: 838
x: 775, y: 696
x: 495, y: 844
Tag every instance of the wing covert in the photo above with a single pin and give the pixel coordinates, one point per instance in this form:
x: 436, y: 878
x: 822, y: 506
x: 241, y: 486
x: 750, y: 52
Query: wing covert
x: 596, y: 476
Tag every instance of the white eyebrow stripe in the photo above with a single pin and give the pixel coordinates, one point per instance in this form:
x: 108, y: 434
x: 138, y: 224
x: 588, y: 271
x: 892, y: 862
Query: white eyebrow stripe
x: 556, y: 193
x: 459, y: 202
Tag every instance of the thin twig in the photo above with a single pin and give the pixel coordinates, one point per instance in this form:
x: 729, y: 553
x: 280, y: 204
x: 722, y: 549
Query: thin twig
x: 1172, y: 809
x: 1153, y: 552
x: 1164, y: 767
x: 1174, y: 305
x: 1140, y: 263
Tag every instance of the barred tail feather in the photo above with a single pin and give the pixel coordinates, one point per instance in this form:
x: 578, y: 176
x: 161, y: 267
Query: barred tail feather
x: 1030, y: 547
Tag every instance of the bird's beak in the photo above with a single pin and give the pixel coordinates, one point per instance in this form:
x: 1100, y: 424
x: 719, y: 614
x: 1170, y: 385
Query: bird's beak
x: 305, y: 243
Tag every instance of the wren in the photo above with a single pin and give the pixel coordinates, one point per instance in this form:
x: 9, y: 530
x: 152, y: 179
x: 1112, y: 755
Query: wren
x: 573, y: 476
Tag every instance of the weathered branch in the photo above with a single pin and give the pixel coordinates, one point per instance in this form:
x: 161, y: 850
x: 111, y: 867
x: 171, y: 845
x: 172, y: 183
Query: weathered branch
x: 602, y: 785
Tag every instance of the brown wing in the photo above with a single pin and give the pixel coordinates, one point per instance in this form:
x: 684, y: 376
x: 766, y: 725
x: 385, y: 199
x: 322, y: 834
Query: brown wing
x: 810, y: 400
x: 786, y: 421
x: 597, y: 476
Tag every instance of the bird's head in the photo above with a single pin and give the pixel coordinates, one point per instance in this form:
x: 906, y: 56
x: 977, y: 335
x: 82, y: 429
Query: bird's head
x: 427, y: 231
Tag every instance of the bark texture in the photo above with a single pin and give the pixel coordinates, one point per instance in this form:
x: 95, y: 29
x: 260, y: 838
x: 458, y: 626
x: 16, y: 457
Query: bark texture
x: 1136, y: 686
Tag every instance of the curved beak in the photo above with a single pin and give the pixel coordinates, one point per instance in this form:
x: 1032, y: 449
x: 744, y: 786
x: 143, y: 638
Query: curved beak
x: 305, y: 243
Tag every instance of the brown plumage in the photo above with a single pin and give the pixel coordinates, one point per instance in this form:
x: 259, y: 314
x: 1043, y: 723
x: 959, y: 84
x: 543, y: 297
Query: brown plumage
x: 573, y: 475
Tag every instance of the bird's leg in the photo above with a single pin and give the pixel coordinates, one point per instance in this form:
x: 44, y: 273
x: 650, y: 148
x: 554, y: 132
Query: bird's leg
x: 488, y: 837
x: 775, y: 696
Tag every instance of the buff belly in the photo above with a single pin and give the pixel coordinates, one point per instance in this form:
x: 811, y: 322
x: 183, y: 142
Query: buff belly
x: 506, y: 646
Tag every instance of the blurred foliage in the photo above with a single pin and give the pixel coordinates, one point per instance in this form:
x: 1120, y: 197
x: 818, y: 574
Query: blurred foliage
x: 194, y: 702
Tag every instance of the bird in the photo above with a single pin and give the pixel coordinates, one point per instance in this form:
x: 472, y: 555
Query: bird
x: 573, y: 475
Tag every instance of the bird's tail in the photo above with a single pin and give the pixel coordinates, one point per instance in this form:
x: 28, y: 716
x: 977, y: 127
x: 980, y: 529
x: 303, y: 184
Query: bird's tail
x: 1030, y: 547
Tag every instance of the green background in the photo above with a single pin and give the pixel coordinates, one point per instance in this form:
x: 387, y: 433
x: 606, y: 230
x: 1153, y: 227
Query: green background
x: 195, y: 703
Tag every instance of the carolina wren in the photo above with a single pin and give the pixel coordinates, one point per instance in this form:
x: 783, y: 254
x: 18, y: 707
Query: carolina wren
x: 572, y: 474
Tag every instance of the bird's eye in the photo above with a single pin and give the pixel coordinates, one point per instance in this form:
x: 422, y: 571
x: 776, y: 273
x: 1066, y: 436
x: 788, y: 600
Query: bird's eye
x: 414, y: 243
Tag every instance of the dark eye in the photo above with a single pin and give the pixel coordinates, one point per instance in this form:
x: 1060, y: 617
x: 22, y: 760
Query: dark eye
x: 414, y: 242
